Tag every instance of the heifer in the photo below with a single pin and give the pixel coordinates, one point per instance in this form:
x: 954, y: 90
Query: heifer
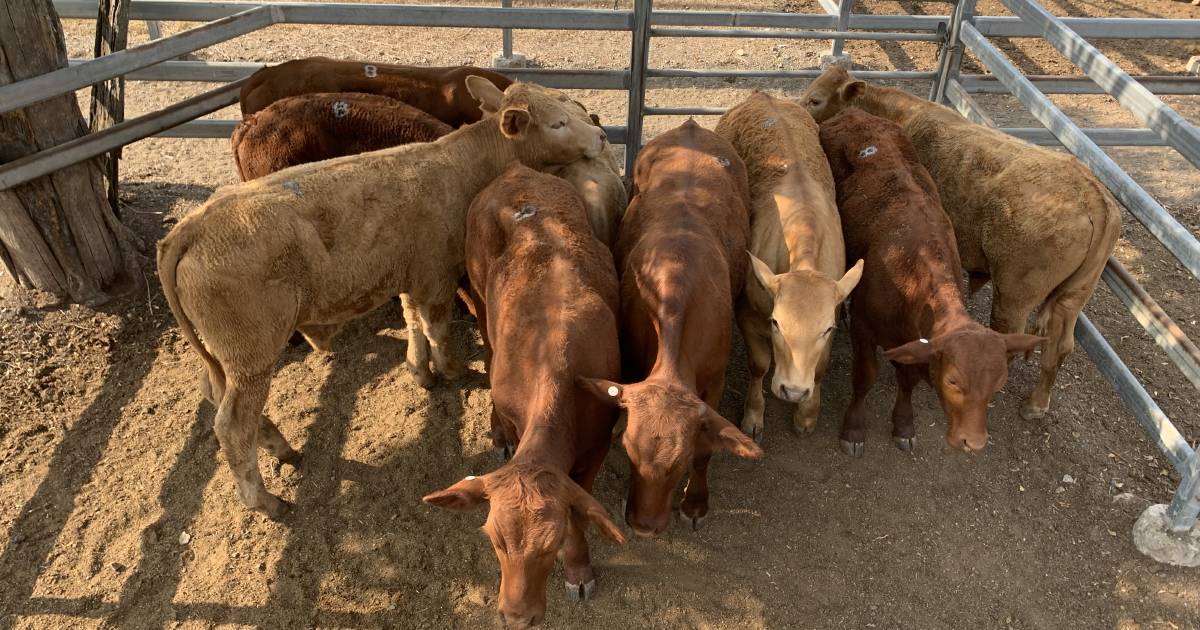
x: 1034, y: 221
x: 604, y: 196
x: 547, y: 306
x: 909, y: 299
x: 314, y: 127
x: 441, y: 92
x: 796, y: 252
x: 682, y: 257
x: 312, y: 246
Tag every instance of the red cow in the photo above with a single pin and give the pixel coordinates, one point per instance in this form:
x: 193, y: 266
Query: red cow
x: 546, y: 298
x: 682, y: 255
x: 314, y: 127
x: 910, y: 298
x: 441, y: 92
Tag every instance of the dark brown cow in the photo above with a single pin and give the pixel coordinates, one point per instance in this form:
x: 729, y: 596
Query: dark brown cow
x: 314, y: 127
x: 441, y: 92
x: 682, y: 256
x: 546, y: 299
x: 910, y: 298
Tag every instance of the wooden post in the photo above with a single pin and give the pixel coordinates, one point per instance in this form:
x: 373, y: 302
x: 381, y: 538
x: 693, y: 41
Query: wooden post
x: 108, y: 97
x: 57, y: 233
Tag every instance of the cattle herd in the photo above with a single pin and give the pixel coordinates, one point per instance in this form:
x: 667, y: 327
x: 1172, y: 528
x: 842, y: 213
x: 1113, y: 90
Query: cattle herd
x: 362, y: 182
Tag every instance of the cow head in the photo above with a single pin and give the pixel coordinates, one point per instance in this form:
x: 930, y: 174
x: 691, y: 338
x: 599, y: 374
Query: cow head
x: 527, y: 523
x: 832, y: 92
x: 803, y: 318
x: 967, y: 367
x: 544, y: 125
x: 668, y: 426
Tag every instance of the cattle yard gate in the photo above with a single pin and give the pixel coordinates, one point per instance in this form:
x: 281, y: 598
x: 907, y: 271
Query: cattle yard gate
x: 222, y: 21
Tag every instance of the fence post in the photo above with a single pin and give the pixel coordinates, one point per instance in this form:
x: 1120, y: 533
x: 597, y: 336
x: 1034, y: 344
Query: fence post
x: 1185, y: 505
x: 642, y: 9
x: 108, y: 97
x: 843, y: 23
x: 952, y: 51
x: 507, y: 49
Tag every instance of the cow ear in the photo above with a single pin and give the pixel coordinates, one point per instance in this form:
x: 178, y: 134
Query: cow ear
x: 514, y: 120
x: 846, y: 285
x: 608, y: 391
x: 465, y: 495
x: 766, y: 277
x: 586, y: 505
x: 722, y: 433
x: 911, y: 353
x: 1019, y: 343
x: 852, y: 90
x: 486, y: 93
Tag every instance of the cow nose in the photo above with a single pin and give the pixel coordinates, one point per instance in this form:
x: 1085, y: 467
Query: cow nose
x: 967, y: 441
x: 646, y: 527
x: 794, y: 394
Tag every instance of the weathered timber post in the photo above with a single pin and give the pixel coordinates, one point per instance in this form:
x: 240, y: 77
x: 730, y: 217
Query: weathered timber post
x: 108, y: 97
x: 57, y: 233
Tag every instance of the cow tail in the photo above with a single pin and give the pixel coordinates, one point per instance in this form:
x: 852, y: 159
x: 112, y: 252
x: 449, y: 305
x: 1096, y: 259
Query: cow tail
x: 170, y: 250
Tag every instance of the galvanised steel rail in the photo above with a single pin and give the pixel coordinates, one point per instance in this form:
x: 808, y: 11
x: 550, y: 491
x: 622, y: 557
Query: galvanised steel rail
x: 1133, y: 96
x: 1053, y: 84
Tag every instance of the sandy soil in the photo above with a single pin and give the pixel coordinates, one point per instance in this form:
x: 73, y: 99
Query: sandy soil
x: 108, y: 461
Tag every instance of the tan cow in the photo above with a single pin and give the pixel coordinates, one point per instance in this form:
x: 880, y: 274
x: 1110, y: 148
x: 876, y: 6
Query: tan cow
x: 312, y: 246
x: 797, y: 254
x: 598, y: 180
x: 1034, y: 221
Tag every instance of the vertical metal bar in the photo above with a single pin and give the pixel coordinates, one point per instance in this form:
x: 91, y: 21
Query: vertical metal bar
x: 843, y: 21
x: 1175, y: 237
x: 951, y: 58
x: 642, y: 9
x: 1185, y: 505
x: 507, y: 4
x: 1133, y: 96
x: 154, y: 28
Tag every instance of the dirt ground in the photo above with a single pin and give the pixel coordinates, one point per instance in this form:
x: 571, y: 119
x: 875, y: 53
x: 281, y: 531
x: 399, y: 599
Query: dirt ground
x: 116, y: 510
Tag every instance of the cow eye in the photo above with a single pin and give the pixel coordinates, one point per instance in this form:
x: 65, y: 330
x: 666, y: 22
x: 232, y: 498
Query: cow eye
x: 774, y: 323
x: 814, y: 102
x: 827, y: 331
x: 558, y: 125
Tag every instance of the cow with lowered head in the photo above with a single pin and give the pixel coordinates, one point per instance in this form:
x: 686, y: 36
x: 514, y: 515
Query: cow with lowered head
x: 545, y: 293
x: 682, y: 257
x: 910, y: 298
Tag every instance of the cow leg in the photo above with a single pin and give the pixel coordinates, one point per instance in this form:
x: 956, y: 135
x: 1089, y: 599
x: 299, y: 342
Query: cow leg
x: 579, y: 578
x: 212, y: 386
x: 1010, y: 307
x: 1057, y: 324
x: 694, y: 508
x: 502, y: 433
x: 864, y: 370
x: 757, y: 334
x: 904, y: 432
x: 435, y: 320
x: 418, y: 345
x: 237, y: 429
x: 271, y: 440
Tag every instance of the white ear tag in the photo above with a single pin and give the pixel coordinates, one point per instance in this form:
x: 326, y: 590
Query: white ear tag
x: 613, y: 391
x: 469, y: 478
x: 923, y: 340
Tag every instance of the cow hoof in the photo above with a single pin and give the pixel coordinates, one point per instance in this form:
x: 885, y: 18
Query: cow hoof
x: 1031, y: 412
x: 453, y: 371
x: 906, y: 444
x: 581, y: 592
x: 276, y: 510
x: 691, y: 522
x: 505, y: 453
x: 754, y: 431
x: 804, y: 430
x: 853, y: 449
x: 424, y: 378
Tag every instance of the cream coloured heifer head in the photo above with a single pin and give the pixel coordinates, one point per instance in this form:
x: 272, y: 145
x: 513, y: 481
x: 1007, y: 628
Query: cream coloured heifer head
x: 803, y: 318
x: 546, y: 127
x: 832, y: 92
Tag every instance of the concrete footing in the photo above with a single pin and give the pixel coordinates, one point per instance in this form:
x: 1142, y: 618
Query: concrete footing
x: 1152, y: 538
x: 833, y: 60
x: 516, y: 61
